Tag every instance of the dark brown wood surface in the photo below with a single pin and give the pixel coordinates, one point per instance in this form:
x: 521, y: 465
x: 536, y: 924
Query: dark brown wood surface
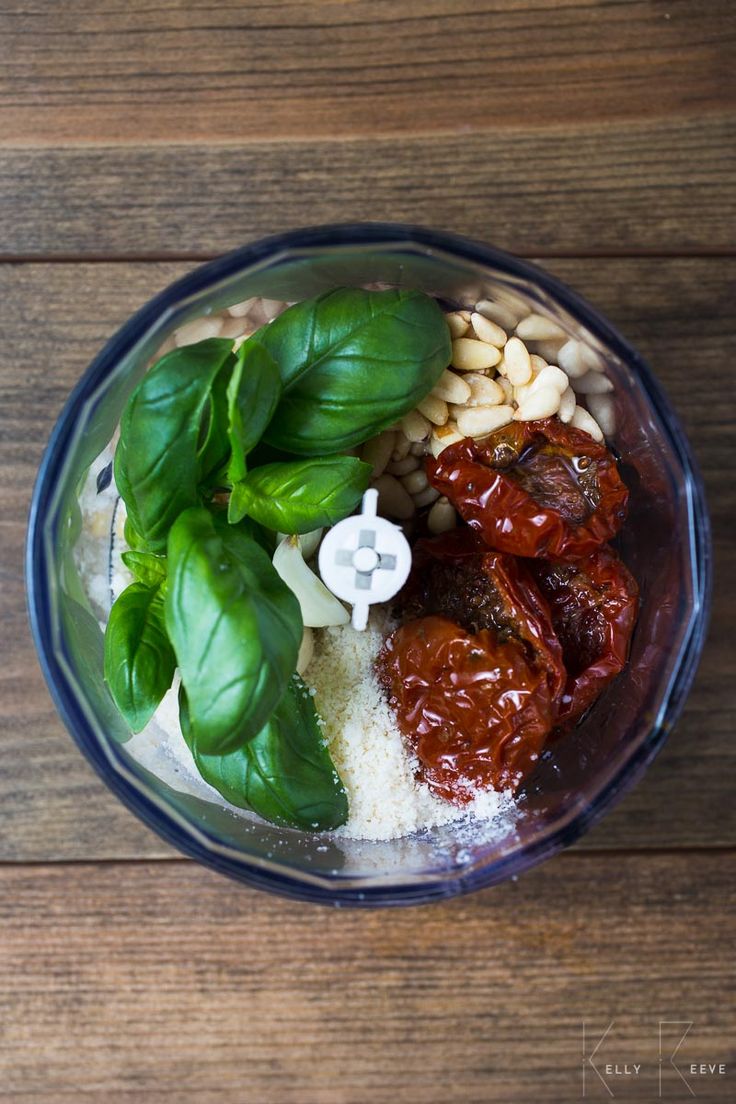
x: 596, y: 135
x: 159, y: 982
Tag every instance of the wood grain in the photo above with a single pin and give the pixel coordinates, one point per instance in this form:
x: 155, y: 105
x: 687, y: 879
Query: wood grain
x: 159, y: 982
x: 189, y: 70
x: 664, y: 186
x: 680, y: 314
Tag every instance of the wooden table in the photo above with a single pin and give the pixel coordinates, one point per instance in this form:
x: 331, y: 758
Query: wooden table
x: 138, y: 139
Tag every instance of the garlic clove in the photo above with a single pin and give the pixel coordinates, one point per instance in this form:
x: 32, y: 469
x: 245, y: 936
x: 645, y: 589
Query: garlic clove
x: 308, y: 542
x: 306, y: 651
x: 318, y: 605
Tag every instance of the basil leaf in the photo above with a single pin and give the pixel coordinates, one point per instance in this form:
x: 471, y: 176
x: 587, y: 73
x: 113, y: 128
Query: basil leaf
x: 148, y: 568
x: 139, y: 660
x: 302, y: 495
x: 252, y: 396
x: 351, y: 363
x: 157, y: 465
x: 214, y: 449
x: 134, y: 540
x: 235, y: 627
x: 285, y: 774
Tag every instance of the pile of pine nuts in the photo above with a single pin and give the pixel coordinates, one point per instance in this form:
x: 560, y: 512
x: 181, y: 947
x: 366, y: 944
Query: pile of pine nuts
x: 493, y: 379
x: 508, y: 364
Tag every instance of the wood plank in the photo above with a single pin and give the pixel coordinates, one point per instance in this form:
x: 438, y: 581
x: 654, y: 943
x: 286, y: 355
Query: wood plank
x: 192, y: 71
x: 679, y: 312
x: 162, y: 981
x: 665, y: 186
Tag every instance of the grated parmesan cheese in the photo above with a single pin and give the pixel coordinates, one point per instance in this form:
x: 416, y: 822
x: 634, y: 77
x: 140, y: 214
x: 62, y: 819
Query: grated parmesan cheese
x: 370, y: 754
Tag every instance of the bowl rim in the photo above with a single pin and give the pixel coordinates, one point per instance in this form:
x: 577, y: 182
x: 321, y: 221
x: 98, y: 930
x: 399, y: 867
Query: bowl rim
x: 285, y: 884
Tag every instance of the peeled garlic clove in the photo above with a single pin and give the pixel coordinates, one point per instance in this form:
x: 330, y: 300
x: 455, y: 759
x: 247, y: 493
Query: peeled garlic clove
x: 319, y: 607
x: 306, y: 651
x: 308, y: 542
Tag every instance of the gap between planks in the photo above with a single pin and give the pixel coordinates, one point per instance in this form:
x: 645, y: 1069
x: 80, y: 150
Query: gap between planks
x: 570, y: 854
x: 528, y: 255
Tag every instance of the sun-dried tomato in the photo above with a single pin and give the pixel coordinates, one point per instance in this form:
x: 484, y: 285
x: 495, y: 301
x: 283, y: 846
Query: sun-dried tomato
x: 472, y: 709
x: 456, y: 576
x: 594, y: 605
x: 534, y: 489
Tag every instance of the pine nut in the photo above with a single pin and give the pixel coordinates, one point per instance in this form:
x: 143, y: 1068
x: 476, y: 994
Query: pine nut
x: 538, y: 363
x: 272, y: 308
x: 459, y: 326
x: 550, y: 376
x: 377, y: 451
x: 497, y: 313
x: 517, y: 365
x: 479, y: 421
x: 402, y: 446
x: 567, y: 405
x: 418, y: 449
x: 469, y: 355
x: 408, y: 464
x: 483, y: 391
x: 198, y: 330
x: 434, y: 409
x: 164, y: 348
x: 581, y: 419
x: 415, y: 426
x: 541, y: 404
x: 451, y: 388
x: 488, y: 331
x: 239, y: 310
x: 591, y: 358
x: 507, y: 388
x: 549, y: 350
x: 426, y: 497
x: 393, y: 500
x: 442, y: 436
x: 601, y: 407
x: 233, y: 327
x: 441, y: 517
x: 415, y: 481
x: 592, y: 383
x: 535, y: 327
x: 570, y: 359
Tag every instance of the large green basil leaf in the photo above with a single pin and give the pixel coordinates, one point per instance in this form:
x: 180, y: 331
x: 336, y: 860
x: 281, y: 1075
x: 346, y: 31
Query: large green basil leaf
x: 351, y: 363
x: 235, y: 626
x: 139, y: 660
x: 284, y: 774
x: 252, y: 397
x: 147, y: 568
x: 157, y: 461
x: 302, y: 495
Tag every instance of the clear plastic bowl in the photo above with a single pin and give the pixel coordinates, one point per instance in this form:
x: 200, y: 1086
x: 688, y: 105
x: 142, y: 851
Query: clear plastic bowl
x: 665, y: 543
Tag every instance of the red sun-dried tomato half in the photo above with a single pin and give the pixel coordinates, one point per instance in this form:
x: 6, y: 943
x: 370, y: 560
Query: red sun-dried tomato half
x: 534, y: 489
x: 473, y: 710
x: 458, y: 577
x: 594, y: 605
